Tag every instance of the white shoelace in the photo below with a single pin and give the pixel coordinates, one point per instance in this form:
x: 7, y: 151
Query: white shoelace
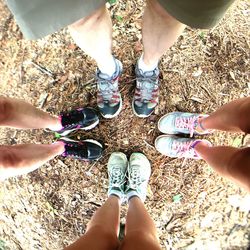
x: 116, y: 177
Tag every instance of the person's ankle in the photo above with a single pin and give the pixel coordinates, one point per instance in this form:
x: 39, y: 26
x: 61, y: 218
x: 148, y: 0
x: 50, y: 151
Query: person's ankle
x: 200, y: 127
x: 130, y: 194
x: 117, y: 193
x: 58, y: 147
x: 56, y: 125
x: 108, y: 67
x: 146, y: 65
x: 112, y: 195
x: 200, y: 145
x: 133, y: 197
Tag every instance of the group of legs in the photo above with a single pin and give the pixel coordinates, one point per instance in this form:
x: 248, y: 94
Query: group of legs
x: 127, y: 179
x: 141, y: 234
x: 21, y: 159
x: 93, y: 34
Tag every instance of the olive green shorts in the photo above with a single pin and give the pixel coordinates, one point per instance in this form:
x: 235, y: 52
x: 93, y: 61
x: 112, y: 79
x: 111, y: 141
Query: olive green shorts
x: 197, y: 13
x: 38, y: 18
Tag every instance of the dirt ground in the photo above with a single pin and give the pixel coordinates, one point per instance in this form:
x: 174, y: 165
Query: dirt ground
x: 192, y: 206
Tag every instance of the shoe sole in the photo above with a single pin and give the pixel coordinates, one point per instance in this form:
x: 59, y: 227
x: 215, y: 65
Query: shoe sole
x: 116, y: 113
x: 94, y: 142
x: 74, y: 129
x: 141, y: 116
x: 87, y: 140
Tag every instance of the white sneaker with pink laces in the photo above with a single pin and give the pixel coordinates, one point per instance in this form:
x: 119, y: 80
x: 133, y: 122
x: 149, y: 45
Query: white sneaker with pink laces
x: 176, y: 147
x: 182, y: 123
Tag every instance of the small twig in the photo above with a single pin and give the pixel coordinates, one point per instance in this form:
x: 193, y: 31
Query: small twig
x: 94, y: 203
x: 42, y: 69
x: 62, y: 164
x: 92, y: 80
x: 169, y: 221
x: 44, y: 99
x: 88, y: 172
x: 149, y: 144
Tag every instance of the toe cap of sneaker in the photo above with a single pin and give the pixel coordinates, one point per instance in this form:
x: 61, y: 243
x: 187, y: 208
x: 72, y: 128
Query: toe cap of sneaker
x: 90, y: 116
x: 143, y: 110
x: 166, y: 123
x: 94, y: 149
x: 108, y: 111
x: 142, y: 160
x: 118, y: 158
x: 163, y: 145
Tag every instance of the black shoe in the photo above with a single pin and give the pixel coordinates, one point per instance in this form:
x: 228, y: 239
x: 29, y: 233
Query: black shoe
x: 82, y: 118
x: 146, y: 92
x: 86, y: 150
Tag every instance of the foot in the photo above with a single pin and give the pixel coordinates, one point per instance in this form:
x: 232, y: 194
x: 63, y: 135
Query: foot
x: 117, y: 168
x: 139, y: 171
x: 82, y: 118
x: 87, y: 150
x: 109, y: 99
x: 146, y: 94
x: 176, y: 147
x: 182, y: 123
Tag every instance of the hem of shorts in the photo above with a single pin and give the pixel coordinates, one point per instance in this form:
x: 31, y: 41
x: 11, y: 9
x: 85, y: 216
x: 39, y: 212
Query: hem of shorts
x: 32, y: 34
x: 206, y: 23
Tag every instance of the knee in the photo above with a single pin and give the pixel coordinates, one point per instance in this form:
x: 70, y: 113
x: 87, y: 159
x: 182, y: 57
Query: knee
x: 140, y: 240
x: 8, y: 158
x: 244, y: 111
x: 108, y: 240
x: 6, y: 108
x: 238, y: 167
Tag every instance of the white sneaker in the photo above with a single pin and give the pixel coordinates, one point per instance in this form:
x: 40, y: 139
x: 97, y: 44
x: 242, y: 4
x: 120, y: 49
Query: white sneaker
x: 117, y: 168
x: 139, y: 171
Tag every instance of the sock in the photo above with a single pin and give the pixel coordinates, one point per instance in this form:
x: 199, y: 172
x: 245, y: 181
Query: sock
x: 145, y: 68
x: 57, y: 143
x: 209, y: 144
x: 117, y: 194
x: 108, y: 67
x: 58, y: 126
x: 134, y: 193
x: 199, y: 127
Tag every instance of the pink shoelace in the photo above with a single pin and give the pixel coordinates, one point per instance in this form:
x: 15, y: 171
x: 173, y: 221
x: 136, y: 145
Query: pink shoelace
x: 187, y: 122
x: 184, y: 149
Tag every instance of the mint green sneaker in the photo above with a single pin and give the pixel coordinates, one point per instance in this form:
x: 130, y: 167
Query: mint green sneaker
x: 139, y: 171
x: 117, y: 168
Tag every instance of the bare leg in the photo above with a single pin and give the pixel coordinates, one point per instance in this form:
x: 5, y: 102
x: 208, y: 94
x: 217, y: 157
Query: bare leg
x: 232, y: 163
x: 140, y: 229
x: 103, y: 228
x: 234, y: 116
x: 19, y: 114
x: 93, y: 34
x: 22, y: 159
x: 159, y: 30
